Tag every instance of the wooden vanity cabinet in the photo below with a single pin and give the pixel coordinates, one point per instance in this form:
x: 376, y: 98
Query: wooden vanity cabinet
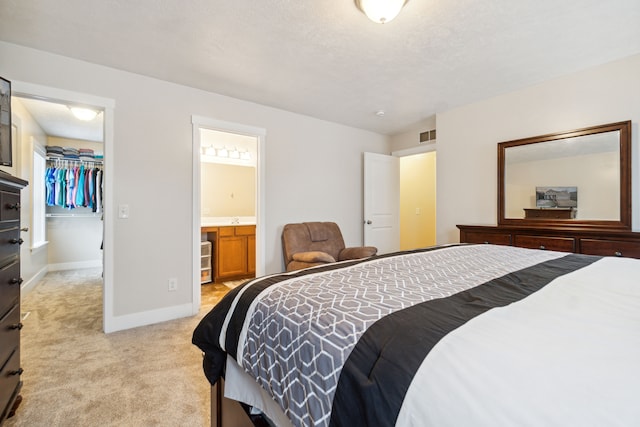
x: 236, y: 252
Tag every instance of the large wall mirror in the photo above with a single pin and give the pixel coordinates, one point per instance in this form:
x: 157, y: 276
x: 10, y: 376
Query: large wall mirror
x: 578, y: 178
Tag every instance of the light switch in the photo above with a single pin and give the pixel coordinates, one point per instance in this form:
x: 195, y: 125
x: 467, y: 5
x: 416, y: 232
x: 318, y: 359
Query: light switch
x: 123, y: 211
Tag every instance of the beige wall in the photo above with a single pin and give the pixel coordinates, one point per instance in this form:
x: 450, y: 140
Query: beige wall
x: 418, y: 201
x: 598, y: 188
x: 313, y: 172
x: 468, y: 136
x: 411, y: 138
x: 227, y: 190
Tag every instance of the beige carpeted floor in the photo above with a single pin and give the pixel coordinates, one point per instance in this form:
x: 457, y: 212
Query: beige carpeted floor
x: 75, y: 375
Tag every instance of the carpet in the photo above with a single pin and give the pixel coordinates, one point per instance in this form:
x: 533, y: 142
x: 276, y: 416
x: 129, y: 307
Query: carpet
x: 75, y: 375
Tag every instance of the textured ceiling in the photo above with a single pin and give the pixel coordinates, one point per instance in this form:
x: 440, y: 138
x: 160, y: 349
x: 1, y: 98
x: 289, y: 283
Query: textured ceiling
x: 325, y: 59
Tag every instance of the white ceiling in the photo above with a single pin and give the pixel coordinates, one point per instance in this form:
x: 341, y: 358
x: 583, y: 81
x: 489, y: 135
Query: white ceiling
x: 56, y: 119
x: 325, y: 59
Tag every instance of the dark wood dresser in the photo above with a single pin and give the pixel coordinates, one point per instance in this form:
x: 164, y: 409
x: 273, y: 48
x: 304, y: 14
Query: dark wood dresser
x: 590, y: 241
x: 10, y: 280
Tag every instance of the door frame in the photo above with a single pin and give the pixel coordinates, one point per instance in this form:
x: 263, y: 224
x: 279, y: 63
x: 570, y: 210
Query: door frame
x: 107, y: 105
x: 201, y: 122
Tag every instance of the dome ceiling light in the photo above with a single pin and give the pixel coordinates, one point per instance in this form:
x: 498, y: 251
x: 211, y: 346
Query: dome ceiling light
x: 381, y: 11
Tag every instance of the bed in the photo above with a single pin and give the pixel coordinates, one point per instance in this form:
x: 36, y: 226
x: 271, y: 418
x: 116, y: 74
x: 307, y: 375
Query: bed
x: 457, y: 335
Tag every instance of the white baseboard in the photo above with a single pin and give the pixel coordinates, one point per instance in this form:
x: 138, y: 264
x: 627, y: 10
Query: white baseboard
x: 120, y: 323
x: 28, y: 286
x: 75, y: 265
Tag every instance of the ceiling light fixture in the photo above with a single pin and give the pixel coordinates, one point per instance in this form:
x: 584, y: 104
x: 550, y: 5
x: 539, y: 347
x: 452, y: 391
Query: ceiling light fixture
x: 381, y: 11
x: 84, y: 114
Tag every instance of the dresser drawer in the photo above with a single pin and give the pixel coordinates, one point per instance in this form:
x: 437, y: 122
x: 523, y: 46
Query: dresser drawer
x: 610, y: 248
x: 226, y: 231
x: 9, y: 245
x: 9, y: 378
x: 9, y: 206
x: 9, y: 292
x: 484, y: 237
x: 9, y: 333
x: 245, y: 230
x: 564, y: 244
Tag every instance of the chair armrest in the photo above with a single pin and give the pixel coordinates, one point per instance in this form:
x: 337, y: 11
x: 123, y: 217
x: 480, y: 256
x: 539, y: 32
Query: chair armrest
x: 313, y: 256
x: 357, y: 252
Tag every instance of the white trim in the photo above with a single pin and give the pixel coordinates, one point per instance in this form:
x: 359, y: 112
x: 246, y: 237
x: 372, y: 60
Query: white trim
x: 425, y: 148
x: 39, y: 247
x: 128, y: 321
x: 62, y: 266
x: 229, y: 127
x: 32, y: 90
x: 30, y: 284
x: 107, y: 105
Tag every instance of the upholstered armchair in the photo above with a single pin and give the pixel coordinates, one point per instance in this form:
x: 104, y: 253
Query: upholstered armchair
x: 314, y: 243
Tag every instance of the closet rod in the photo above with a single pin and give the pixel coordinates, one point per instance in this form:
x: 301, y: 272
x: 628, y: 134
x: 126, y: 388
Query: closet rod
x: 73, y: 215
x: 78, y: 161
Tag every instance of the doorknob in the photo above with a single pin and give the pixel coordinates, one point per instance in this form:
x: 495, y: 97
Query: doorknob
x: 368, y: 222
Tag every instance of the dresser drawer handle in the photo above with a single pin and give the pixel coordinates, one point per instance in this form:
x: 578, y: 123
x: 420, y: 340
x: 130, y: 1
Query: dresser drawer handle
x: 16, y: 281
x: 18, y: 241
x: 15, y: 206
x: 17, y: 326
x: 542, y: 247
x: 18, y: 371
x: 618, y: 253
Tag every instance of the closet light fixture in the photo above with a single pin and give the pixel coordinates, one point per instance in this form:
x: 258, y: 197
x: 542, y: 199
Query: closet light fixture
x: 381, y: 11
x: 84, y: 114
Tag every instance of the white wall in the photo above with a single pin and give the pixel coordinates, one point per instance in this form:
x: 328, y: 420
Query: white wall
x: 313, y: 171
x: 468, y: 136
x: 411, y: 138
x: 33, y: 262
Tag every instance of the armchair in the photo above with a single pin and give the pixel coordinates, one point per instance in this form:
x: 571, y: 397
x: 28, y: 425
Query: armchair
x: 314, y: 243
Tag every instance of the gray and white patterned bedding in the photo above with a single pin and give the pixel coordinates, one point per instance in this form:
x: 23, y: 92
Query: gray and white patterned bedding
x: 340, y: 345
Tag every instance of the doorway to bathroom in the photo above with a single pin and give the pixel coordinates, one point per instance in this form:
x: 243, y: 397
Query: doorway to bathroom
x: 227, y: 233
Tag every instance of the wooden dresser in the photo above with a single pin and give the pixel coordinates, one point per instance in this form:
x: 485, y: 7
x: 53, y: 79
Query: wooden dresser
x: 590, y: 241
x: 10, y: 281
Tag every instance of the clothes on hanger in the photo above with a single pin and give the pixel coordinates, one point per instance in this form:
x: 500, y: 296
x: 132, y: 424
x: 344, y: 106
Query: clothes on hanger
x: 74, y: 184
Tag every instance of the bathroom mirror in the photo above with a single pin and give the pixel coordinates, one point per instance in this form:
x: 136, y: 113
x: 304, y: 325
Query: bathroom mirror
x: 578, y: 178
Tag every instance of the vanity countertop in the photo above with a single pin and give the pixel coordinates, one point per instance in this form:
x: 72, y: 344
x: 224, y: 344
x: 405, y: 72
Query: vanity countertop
x: 227, y: 221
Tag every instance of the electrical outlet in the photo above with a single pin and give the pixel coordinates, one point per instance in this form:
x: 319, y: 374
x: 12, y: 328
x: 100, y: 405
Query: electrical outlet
x: 173, y: 284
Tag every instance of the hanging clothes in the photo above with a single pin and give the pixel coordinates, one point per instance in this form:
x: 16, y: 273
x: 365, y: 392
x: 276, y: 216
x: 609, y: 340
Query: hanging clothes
x: 71, y: 186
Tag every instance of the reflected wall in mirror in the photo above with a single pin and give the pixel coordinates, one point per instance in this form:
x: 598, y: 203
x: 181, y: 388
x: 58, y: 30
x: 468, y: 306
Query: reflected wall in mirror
x: 579, y: 178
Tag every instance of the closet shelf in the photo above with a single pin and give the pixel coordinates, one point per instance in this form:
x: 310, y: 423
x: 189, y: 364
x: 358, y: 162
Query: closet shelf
x: 74, y: 161
x: 74, y: 215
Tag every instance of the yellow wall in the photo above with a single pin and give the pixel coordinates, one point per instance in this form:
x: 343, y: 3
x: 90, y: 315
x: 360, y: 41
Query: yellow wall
x: 418, y: 201
x: 227, y: 190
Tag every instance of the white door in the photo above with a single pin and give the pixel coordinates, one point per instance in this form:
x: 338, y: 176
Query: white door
x: 382, y: 202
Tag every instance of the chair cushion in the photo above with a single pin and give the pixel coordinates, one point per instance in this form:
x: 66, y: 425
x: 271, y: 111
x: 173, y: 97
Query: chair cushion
x: 357, y: 252
x: 313, y: 256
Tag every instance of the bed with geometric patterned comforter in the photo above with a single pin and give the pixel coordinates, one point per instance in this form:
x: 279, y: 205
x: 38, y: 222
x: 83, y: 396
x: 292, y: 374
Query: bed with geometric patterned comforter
x: 456, y: 335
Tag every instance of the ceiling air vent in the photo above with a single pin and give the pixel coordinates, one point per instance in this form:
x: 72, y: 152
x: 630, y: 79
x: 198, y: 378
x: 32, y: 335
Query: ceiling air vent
x: 428, y: 136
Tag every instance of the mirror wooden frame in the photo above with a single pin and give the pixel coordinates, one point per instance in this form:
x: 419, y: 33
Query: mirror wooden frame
x: 624, y: 222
